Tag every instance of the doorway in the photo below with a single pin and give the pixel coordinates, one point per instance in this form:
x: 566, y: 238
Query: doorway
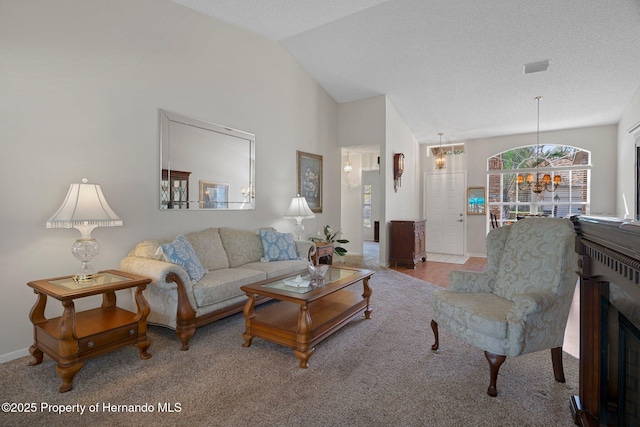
x: 445, y: 212
x: 371, y: 205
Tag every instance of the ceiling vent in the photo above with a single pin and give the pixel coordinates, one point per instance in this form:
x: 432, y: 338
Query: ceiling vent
x: 536, y: 67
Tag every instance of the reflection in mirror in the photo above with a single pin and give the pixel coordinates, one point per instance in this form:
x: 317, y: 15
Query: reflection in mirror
x: 205, y: 166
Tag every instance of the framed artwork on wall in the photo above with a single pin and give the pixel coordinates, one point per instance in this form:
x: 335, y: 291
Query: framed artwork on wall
x: 310, y: 179
x: 214, y: 195
x: 475, y: 201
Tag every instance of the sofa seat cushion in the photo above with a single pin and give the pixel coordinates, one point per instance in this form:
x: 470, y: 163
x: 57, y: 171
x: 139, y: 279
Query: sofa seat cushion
x: 277, y: 268
x: 208, y: 246
x: 223, y: 284
x: 483, y: 312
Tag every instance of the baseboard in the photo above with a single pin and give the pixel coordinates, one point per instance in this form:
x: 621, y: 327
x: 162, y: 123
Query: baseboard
x: 447, y: 258
x: 14, y: 355
x: 475, y: 255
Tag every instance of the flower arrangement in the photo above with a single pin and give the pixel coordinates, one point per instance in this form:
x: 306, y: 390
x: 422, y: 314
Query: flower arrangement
x: 330, y: 237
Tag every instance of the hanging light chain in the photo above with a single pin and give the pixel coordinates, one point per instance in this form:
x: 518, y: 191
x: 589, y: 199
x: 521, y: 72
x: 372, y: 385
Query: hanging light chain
x: 538, y: 186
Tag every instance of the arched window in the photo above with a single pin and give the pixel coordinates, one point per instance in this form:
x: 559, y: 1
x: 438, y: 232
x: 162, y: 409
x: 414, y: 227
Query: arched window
x: 508, y: 200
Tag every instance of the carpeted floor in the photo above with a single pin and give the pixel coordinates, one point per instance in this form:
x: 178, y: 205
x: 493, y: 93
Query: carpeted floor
x: 377, y: 372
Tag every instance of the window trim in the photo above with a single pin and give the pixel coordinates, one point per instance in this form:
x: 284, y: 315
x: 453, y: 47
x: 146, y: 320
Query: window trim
x: 546, y: 169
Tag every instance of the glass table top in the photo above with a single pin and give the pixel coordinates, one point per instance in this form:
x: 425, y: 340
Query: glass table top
x: 102, y: 279
x: 302, y: 283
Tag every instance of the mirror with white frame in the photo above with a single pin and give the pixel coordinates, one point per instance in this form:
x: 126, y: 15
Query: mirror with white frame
x: 205, y: 166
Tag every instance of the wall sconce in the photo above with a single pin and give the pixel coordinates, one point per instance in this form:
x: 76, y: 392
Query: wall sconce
x: 248, y: 192
x: 398, y: 168
x: 347, y: 165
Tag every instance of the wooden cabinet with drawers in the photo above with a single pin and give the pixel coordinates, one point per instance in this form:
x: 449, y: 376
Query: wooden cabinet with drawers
x: 407, y: 242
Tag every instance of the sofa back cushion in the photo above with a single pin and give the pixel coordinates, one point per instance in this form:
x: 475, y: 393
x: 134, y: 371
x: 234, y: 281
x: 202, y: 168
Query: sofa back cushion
x: 209, y: 248
x: 242, y: 246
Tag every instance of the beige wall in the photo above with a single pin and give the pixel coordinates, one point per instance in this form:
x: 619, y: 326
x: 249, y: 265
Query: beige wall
x: 626, y: 157
x: 376, y: 122
x: 407, y: 201
x: 82, y: 82
x: 362, y: 122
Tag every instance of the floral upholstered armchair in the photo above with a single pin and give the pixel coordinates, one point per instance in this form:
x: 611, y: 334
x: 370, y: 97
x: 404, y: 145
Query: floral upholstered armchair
x: 520, y: 303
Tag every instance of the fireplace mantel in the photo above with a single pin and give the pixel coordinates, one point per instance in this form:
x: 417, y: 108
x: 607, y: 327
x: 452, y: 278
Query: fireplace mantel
x: 609, y: 263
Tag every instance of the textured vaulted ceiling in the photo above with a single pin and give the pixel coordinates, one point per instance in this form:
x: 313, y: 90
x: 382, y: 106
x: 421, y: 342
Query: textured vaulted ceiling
x: 456, y: 66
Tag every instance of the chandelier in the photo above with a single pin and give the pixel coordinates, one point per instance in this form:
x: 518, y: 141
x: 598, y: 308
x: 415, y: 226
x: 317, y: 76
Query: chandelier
x: 440, y: 160
x: 539, y: 185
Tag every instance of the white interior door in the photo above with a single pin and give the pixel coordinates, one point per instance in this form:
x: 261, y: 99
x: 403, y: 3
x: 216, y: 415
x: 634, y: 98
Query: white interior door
x: 444, y: 212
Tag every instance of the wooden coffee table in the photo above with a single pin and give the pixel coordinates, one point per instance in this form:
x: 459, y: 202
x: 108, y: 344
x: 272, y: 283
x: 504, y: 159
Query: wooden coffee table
x: 305, y: 315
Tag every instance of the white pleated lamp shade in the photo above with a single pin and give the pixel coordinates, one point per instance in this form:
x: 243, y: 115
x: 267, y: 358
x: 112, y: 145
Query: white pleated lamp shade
x: 85, y: 205
x: 299, y: 208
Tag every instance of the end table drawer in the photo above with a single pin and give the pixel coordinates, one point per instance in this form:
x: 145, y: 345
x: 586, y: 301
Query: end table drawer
x: 324, y: 251
x: 114, y: 336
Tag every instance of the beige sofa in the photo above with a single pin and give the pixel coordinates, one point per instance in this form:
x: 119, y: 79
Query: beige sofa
x: 230, y: 258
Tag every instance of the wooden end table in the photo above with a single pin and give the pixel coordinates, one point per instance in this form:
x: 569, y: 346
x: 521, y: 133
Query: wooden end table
x: 323, y: 249
x: 74, y: 337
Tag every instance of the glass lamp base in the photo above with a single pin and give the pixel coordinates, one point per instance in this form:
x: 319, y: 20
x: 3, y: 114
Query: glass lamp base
x: 85, y: 249
x: 299, y: 231
x: 84, y: 278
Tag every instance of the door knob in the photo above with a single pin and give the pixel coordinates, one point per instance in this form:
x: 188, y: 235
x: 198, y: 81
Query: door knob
x: 460, y: 220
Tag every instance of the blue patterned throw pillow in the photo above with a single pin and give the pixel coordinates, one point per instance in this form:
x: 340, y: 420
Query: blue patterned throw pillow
x: 180, y: 252
x: 278, y: 246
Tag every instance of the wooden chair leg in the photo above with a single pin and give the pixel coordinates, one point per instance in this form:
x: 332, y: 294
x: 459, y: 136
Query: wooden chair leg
x: 556, y: 358
x: 495, y: 361
x: 434, y: 327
